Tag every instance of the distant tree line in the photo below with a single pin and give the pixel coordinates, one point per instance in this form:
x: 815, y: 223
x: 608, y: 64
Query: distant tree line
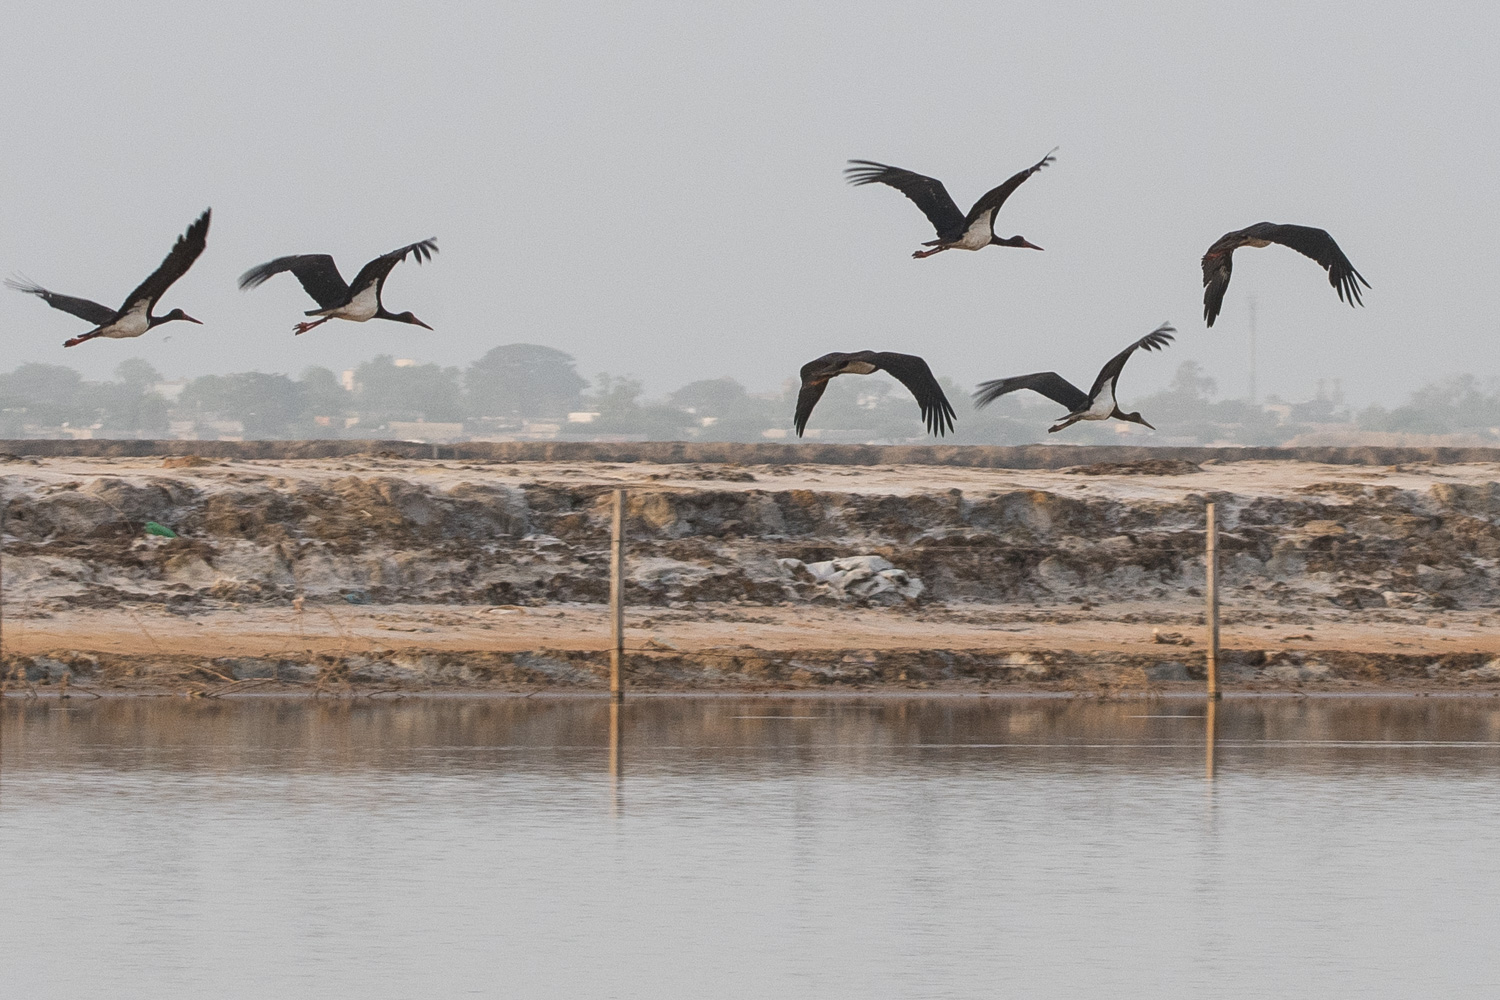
x: 530, y: 390
x: 510, y: 384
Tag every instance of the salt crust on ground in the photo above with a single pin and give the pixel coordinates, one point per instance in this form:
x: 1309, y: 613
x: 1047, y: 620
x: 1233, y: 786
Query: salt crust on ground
x: 299, y: 560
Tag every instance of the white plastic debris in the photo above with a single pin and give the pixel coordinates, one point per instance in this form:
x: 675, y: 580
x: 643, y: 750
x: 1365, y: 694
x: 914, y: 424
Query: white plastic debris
x: 854, y: 577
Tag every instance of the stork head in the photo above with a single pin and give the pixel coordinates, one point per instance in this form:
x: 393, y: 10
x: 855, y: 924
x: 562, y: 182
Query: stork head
x: 1014, y: 241
x: 1134, y: 418
x: 407, y: 317
x: 174, y: 314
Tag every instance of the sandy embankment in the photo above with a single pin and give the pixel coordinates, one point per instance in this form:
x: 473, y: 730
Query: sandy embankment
x: 361, y: 573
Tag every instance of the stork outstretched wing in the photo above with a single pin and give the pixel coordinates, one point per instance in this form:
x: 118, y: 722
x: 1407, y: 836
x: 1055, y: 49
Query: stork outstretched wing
x: 927, y: 193
x: 995, y: 197
x: 85, y: 309
x: 1315, y: 243
x: 186, y: 250
x: 1153, y: 341
x: 1049, y: 384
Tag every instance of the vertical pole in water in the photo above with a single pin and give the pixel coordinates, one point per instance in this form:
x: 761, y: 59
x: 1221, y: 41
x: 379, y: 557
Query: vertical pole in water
x: 616, y: 755
x: 1210, y: 734
x: 1211, y: 594
x: 617, y: 598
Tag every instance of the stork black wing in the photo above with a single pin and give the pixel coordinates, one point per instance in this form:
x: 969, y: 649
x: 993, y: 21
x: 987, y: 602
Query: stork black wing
x: 913, y: 372
x: 1218, y: 263
x: 377, y: 269
x: 82, y: 308
x: 1153, y: 341
x: 1306, y: 240
x: 318, y: 273
x: 993, y: 199
x: 186, y: 250
x: 1049, y: 384
x: 1317, y: 244
x: 806, y: 400
x: 927, y: 193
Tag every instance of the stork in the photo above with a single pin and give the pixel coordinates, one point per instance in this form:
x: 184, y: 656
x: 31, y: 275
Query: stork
x: 357, y: 301
x: 910, y: 370
x: 955, y: 230
x: 1097, y: 404
x: 134, y: 317
x: 1310, y: 242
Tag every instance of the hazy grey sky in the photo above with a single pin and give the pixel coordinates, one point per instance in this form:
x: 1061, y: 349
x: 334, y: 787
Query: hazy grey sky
x: 656, y: 188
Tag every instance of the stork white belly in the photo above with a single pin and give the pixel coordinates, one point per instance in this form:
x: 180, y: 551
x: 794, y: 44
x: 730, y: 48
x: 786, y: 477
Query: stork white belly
x: 1102, y: 406
x: 360, y: 308
x: 132, y: 324
x: 978, y: 235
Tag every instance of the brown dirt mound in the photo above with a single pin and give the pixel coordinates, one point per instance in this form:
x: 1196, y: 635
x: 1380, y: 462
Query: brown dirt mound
x: 1150, y: 467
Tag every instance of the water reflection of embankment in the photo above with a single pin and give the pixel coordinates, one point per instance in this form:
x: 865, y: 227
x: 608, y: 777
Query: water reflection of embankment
x: 751, y: 738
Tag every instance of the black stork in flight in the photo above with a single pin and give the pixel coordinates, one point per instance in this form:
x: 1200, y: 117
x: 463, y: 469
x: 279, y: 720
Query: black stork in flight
x: 357, y: 301
x: 955, y: 230
x: 134, y: 317
x: 1097, y: 404
x: 1310, y: 242
x: 910, y: 370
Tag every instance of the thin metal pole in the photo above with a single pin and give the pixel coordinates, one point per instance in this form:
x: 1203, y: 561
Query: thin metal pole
x: 1211, y: 595
x: 617, y: 598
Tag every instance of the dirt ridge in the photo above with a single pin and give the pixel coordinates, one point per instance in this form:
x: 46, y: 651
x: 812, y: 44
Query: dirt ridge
x: 1047, y: 456
x: 743, y: 668
x: 346, y: 569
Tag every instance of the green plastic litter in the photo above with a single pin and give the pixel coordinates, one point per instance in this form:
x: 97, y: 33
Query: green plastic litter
x: 152, y: 528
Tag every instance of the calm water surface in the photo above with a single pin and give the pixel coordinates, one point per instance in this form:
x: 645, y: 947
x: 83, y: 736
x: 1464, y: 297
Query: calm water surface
x: 750, y: 848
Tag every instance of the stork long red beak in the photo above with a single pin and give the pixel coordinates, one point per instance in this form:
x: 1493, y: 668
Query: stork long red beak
x: 191, y: 320
x: 1030, y: 246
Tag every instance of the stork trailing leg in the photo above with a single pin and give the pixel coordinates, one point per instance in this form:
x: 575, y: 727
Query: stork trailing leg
x: 302, y: 328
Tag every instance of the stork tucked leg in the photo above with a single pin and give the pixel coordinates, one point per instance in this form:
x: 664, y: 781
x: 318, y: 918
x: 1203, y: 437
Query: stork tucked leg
x: 928, y: 253
x: 1069, y: 421
x: 75, y: 341
x: 302, y: 328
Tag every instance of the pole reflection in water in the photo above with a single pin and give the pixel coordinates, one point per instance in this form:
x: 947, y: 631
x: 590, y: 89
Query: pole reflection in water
x: 1209, y: 722
x: 616, y: 756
